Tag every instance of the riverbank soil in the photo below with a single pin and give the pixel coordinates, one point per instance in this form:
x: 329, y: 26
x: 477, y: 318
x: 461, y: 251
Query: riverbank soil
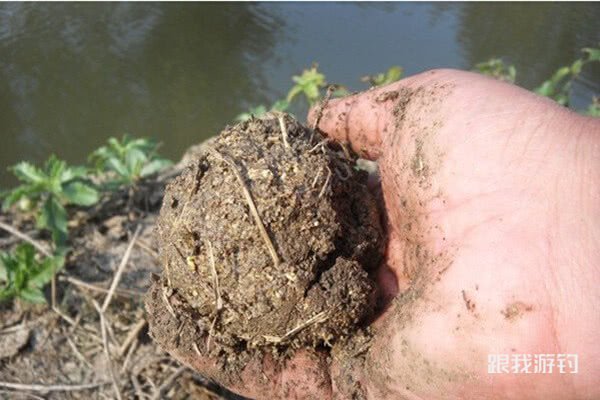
x: 59, y: 352
x: 266, y: 240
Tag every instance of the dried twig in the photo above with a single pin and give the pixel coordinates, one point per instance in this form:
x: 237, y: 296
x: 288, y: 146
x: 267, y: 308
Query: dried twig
x: 132, y: 349
x: 196, y: 349
x: 168, y: 273
x: 120, y: 269
x: 14, y: 231
x: 68, y: 319
x: 284, y: 132
x: 160, y: 391
x: 322, y: 105
x: 324, y: 188
x: 27, y: 325
x: 218, y: 299
x: 147, y: 248
x: 254, y: 211
x: 138, y: 388
x: 213, y: 269
x: 318, y: 145
x: 107, y: 351
x: 320, y: 317
x: 78, y: 354
x: 314, y: 182
x: 131, y: 336
x: 85, y: 285
x: 51, y: 388
x: 210, y: 333
x: 53, y: 291
x: 167, y: 303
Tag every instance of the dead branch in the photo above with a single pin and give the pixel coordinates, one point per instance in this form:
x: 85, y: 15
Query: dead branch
x: 14, y: 231
x: 120, y: 269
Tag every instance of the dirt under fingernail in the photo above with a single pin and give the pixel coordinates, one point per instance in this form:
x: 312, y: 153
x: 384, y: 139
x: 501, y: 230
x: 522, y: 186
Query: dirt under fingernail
x: 266, y: 247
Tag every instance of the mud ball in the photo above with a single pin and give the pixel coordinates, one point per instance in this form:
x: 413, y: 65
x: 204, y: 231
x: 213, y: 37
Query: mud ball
x: 269, y: 236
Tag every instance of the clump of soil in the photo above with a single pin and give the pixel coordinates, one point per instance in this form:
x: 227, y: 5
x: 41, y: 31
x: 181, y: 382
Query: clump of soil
x: 266, y: 240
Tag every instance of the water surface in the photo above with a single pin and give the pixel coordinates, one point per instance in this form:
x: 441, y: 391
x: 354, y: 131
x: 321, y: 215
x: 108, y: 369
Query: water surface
x: 73, y: 74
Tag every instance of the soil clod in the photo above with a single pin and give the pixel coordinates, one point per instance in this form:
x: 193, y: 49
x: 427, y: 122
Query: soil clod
x: 266, y: 246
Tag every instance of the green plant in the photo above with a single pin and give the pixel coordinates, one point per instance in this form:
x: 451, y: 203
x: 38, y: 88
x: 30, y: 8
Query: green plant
x: 594, y: 108
x: 279, y: 105
x: 559, y: 85
x: 496, y: 68
x: 48, y: 190
x: 393, y: 74
x: 23, y: 275
x: 309, y: 83
x: 128, y: 160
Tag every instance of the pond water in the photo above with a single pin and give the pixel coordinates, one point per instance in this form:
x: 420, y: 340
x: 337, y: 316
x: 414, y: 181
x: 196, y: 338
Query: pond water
x: 74, y: 74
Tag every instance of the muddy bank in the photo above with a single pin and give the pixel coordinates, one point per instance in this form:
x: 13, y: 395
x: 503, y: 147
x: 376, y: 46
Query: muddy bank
x: 63, y: 346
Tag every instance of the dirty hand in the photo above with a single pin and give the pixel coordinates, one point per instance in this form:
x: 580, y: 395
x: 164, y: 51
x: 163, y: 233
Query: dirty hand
x: 492, y: 210
x: 492, y: 196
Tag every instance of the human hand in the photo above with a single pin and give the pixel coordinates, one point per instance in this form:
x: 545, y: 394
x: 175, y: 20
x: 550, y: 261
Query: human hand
x: 492, y: 203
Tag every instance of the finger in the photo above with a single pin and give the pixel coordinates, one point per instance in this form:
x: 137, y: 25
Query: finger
x: 364, y: 119
x: 304, y: 376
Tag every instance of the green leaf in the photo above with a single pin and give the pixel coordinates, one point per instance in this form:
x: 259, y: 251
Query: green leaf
x: 59, y: 257
x: 280, y: 105
x: 25, y: 255
x: 135, y: 159
x: 252, y: 112
x: 26, y: 172
x: 55, y: 167
x: 512, y: 73
x: 309, y: 83
x: 53, y: 216
x: 130, y: 158
x: 99, y: 156
x: 594, y: 108
x: 80, y: 193
x: 154, y: 166
x: 117, y: 166
x: 340, y: 91
x: 116, y: 146
x: 6, y: 293
x: 9, y: 262
x: 3, y: 269
x: 496, y: 68
x: 25, y: 276
x: 15, y: 195
x: 560, y: 74
x: 294, y: 91
x: 546, y: 89
x: 32, y: 295
x: 73, y: 173
x: 44, y: 274
x: 145, y: 145
x: 562, y: 98
x: 576, y: 67
x: 593, y: 54
x: 393, y: 74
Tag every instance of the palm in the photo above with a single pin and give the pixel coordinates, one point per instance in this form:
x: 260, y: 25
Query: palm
x: 471, y: 199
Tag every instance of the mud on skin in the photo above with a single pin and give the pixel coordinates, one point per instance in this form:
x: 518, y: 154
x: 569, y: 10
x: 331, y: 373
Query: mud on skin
x: 266, y: 242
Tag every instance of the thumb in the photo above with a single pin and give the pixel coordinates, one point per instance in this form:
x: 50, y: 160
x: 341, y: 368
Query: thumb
x: 361, y: 120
